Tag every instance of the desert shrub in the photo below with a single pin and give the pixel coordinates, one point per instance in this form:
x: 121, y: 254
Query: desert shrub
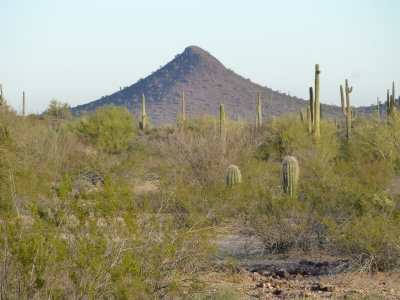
x: 286, y: 136
x: 199, y: 154
x: 285, y: 224
x: 369, y: 239
x: 109, y: 127
x: 58, y: 110
x: 377, y: 139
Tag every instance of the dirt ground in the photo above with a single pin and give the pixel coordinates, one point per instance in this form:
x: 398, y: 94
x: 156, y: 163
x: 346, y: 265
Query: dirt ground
x: 255, y: 275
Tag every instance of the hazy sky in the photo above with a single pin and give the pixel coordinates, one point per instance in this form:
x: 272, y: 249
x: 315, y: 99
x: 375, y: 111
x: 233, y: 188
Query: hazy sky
x: 76, y: 51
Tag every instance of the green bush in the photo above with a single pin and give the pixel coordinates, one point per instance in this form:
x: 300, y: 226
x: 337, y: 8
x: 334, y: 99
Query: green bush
x: 369, y: 239
x: 109, y: 127
x: 58, y: 110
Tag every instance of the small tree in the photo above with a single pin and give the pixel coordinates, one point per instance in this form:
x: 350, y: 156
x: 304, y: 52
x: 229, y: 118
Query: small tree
x: 58, y: 109
x: 108, y: 127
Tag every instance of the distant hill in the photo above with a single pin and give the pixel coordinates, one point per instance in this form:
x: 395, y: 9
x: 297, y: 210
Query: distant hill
x: 207, y: 83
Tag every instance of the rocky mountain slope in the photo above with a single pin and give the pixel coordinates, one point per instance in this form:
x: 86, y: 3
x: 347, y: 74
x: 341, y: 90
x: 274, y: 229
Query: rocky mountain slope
x: 206, y: 83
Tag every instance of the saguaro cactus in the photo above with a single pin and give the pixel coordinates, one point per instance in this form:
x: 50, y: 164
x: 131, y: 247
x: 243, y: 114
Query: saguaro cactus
x: 143, y: 124
x: 259, y: 112
x: 23, y: 104
x: 392, y: 103
x: 378, y: 107
x: 183, y: 105
x: 346, y: 108
x: 317, y: 111
x: 222, y: 126
x: 290, y: 172
x: 233, y: 175
x: 222, y: 118
x: 312, y: 121
x: 2, y: 101
x: 312, y: 110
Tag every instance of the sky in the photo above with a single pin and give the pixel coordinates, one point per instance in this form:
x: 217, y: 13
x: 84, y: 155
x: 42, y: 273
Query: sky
x: 76, y: 51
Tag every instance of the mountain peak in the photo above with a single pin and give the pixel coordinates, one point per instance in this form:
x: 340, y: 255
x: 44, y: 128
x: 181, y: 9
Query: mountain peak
x: 195, y: 50
x: 207, y: 83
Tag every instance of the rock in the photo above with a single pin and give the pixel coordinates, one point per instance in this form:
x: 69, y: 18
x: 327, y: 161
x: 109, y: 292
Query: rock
x: 278, y: 292
x: 283, y: 274
x: 328, y: 288
x: 321, y: 286
x: 303, y: 262
x: 305, y: 294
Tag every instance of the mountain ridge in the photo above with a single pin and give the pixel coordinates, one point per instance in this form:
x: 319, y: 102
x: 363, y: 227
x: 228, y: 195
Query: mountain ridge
x: 207, y: 83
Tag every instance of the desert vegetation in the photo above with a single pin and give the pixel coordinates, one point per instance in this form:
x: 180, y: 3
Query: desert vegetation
x: 96, y: 208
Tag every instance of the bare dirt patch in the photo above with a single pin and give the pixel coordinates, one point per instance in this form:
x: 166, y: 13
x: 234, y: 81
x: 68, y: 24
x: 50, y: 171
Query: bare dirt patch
x: 253, y: 274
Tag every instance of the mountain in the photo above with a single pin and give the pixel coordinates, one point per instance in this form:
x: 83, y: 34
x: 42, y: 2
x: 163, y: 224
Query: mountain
x: 207, y: 83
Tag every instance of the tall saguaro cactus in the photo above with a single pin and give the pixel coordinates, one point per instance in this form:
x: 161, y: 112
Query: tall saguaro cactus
x: 259, y: 112
x: 290, y: 172
x: 222, y: 126
x: 143, y: 124
x: 2, y: 101
x: 23, y: 105
x: 346, y: 108
x: 312, y: 121
x: 183, y: 105
x: 317, y: 110
x: 308, y: 119
x: 312, y: 108
x: 222, y: 119
x: 392, y: 103
x: 378, y: 108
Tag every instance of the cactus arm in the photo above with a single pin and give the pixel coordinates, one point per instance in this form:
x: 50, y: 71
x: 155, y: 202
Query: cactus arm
x: 342, y: 98
x: 353, y: 114
x: 302, y: 115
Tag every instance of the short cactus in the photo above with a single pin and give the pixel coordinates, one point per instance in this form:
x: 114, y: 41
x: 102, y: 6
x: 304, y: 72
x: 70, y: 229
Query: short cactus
x: 233, y: 175
x: 290, y: 171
